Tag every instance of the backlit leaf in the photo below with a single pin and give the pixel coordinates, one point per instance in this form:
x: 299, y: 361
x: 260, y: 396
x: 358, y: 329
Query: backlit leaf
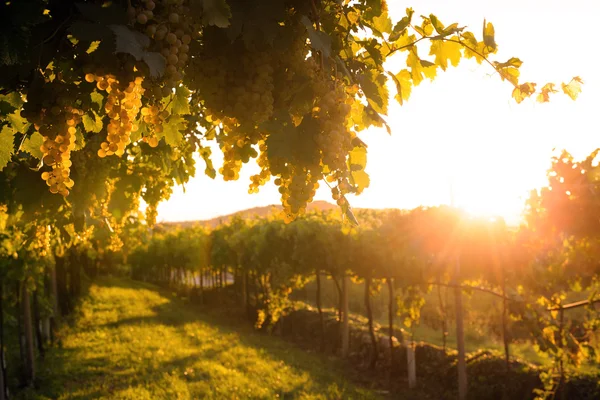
x: 445, y: 51
x: 382, y: 23
x: 97, y: 100
x: 7, y: 146
x: 180, y: 104
x: 92, y: 122
x: 400, y: 27
x: 488, y: 36
x: 512, y: 62
x: 205, y: 153
x: 32, y: 145
x: 353, y: 17
x: 573, y: 88
x: 375, y: 89
x: 361, y: 180
x: 439, y: 27
x: 471, y: 46
x: 171, y: 130
x: 523, y: 91
x: 544, y: 95
x: 403, y: 85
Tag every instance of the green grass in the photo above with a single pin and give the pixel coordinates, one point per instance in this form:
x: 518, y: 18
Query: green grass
x: 129, y: 340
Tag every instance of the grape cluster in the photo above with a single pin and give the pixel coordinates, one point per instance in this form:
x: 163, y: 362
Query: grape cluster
x: 333, y: 138
x: 258, y: 180
x: 235, y: 153
x: 58, y: 126
x: 297, y: 188
x: 169, y: 23
x: 236, y: 88
x: 122, y: 107
x: 155, y: 118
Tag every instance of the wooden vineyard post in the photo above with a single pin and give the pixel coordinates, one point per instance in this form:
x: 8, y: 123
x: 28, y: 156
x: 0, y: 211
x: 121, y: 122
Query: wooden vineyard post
x: 411, y: 363
x: 345, y: 325
x: 28, y: 332
x: 460, y: 336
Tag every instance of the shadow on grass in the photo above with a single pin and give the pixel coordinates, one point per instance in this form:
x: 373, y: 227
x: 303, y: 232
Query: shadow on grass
x: 113, y: 363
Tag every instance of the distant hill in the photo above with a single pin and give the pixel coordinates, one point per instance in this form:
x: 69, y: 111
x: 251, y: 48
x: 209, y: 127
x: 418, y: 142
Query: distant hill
x: 263, y: 211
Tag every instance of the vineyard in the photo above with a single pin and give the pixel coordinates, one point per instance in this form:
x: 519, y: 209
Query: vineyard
x: 364, y: 293
x: 106, y: 106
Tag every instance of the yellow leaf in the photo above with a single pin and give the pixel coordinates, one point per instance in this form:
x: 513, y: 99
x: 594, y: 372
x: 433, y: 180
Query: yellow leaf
x: 404, y: 40
x: 445, y: 51
x: 361, y: 180
x: 471, y: 46
x: 403, y: 86
x: 510, y: 74
x: 383, y: 23
x: 523, y: 91
x: 414, y: 63
x: 488, y: 37
x: 573, y: 88
x: 544, y: 95
x: 427, y: 27
x: 353, y: 17
x: 429, y: 69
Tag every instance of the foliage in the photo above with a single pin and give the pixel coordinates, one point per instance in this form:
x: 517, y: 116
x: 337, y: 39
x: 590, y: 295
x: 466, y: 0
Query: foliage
x: 147, y: 85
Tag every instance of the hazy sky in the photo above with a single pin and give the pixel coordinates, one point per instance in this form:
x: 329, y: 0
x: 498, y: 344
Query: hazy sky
x: 462, y: 129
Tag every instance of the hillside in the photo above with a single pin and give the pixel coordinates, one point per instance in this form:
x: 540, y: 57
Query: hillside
x: 263, y: 211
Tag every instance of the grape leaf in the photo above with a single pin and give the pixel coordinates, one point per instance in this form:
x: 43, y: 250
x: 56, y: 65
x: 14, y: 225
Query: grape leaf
x: 17, y: 122
x: 130, y: 41
x: 319, y: 40
x: 156, y: 63
x: 32, y: 145
x: 97, y: 99
x: 445, y: 51
x: 357, y: 158
x: 171, y: 130
x: 92, y: 122
x: 403, y: 85
x: 13, y: 100
x: 135, y: 43
x: 374, y: 87
x: 216, y: 12
x: 488, y: 37
x: 511, y: 74
x: 544, y: 95
x: 419, y: 67
x: 205, y: 153
x: 523, y: 91
x: 382, y: 24
x: 180, y: 104
x: 439, y: 27
x: 373, y: 9
x: 573, y: 88
x: 512, y: 62
x: 401, y: 26
x: 7, y: 146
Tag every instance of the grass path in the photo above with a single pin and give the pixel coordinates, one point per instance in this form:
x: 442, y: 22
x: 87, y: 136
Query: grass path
x: 132, y: 341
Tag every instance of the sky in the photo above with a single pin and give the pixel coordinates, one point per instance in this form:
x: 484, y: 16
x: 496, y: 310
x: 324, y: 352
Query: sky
x: 461, y: 133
